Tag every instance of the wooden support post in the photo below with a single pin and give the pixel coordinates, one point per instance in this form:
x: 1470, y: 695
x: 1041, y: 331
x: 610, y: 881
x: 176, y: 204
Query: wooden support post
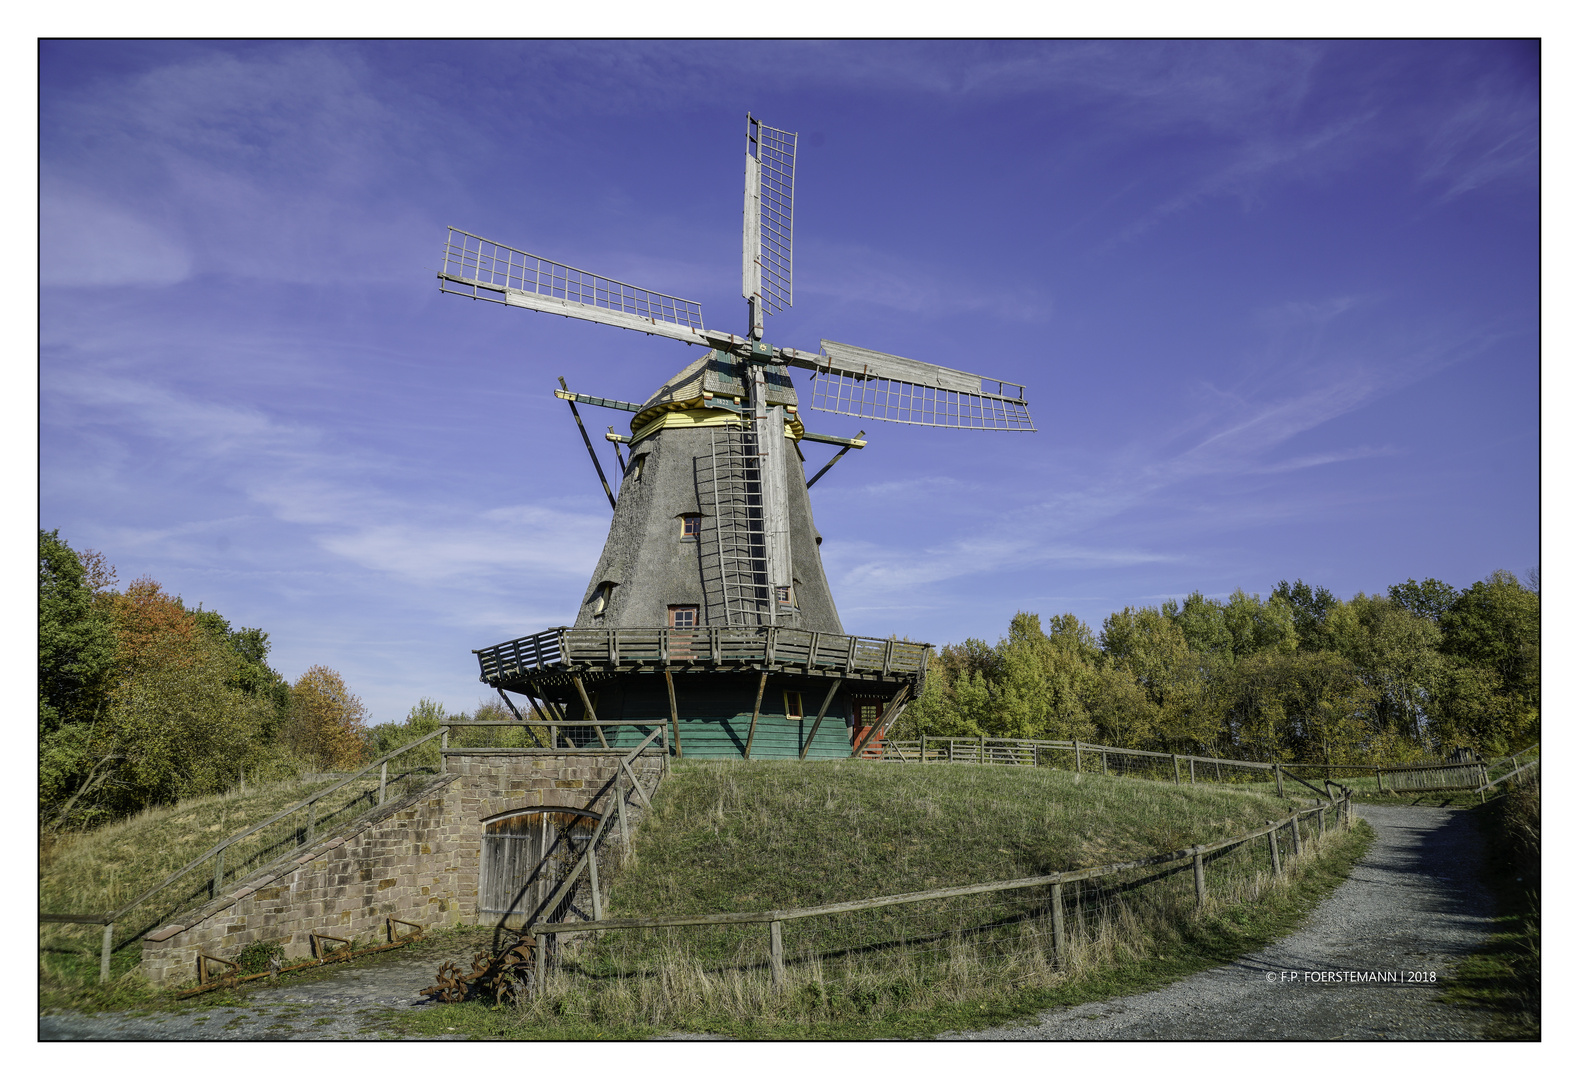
x: 444, y: 740
x: 104, y: 952
x: 756, y: 709
x: 1176, y: 779
x: 924, y: 749
x: 383, y: 781
x: 1378, y: 779
x: 1277, y: 861
x: 674, y: 714
x: 776, y: 952
x: 826, y: 701
x: 1077, y: 755
x: 540, y: 955
x: 586, y: 703
x: 1104, y: 763
x: 1200, y: 878
x: 1277, y: 772
x: 1059, y: 955
x: 1293, y: 825
x: 1192, y: 770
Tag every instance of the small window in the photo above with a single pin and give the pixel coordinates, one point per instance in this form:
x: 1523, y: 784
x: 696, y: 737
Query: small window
x: 683, y: 616
x: 690, y: 526
x: 792, y: 706
x: 637, y: 464
x: 784, y: 594
x: 600, y: 599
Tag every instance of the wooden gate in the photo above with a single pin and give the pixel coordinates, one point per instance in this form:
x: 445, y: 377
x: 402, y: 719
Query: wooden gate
x: 527, y: 856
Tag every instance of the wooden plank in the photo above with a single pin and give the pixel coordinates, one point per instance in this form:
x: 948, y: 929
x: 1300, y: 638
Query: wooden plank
x: 755, y: 709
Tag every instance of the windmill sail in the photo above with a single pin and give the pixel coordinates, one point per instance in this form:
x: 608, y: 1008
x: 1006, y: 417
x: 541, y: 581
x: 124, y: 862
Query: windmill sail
x: 767, y: 244
x: 860, y: 382
x: 484, y: 270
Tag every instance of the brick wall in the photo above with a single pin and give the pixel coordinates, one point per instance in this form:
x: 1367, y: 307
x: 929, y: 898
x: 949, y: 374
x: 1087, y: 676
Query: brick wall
x: 416, y: 859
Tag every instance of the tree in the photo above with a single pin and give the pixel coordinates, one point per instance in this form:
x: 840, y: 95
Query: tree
x: 326, y: 720
x: 1310, y: 607
x: 1429, y: 598
x: 76, y: 641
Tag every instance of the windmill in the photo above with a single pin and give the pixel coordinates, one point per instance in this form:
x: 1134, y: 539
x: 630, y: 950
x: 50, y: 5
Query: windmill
x: 710, y: 587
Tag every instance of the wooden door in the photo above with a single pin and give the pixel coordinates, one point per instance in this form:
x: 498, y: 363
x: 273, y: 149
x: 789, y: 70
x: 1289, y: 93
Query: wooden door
x: 527, y: 857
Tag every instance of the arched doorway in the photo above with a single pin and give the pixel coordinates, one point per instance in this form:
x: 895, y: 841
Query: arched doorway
x: 526, y: 856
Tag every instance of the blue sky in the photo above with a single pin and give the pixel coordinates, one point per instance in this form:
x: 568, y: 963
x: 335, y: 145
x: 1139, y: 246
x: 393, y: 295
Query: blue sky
x: 1276, y: 306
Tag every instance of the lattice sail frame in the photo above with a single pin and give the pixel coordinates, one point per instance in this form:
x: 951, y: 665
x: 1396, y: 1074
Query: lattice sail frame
x: 770, y: 244
x: 853, y: 381
x: 471, y: 261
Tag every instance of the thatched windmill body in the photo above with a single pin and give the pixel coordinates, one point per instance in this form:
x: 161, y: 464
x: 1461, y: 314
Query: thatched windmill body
x: 709, y: 610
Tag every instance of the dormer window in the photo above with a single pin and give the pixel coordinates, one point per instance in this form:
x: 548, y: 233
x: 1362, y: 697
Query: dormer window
x: 600, y: 599
x: 690, y: 526
x: 683, y: 616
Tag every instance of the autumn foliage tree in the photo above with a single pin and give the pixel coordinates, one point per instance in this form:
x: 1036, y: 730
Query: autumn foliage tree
x: 326, y: 723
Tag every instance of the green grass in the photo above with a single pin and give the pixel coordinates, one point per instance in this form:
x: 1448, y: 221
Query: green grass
x: 736, y: 836
x: 1504, y: 975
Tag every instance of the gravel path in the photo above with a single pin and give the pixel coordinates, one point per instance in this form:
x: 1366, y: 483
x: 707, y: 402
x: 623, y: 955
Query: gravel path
x: 345, y: 1003
x: 1414, y: 904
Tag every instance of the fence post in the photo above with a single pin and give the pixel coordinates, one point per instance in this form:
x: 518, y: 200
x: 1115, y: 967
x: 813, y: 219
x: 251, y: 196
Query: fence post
x: 1277, y: 772
x: 1378, y: 780
x: 1293, y: 824
x: 1277, y: 862
x: 1200, y: 878
x: 981, y: 751
x: 592, y: 874
x: 383, y: 781
x: 1058, y: 923
x: 307, y: 833
x: 923, y: 748
x: 219, y: 874
x: 1321, y: 822
x: 540, y: 954
x: 1077, y: 755
x: 776, y: 952
x: 1176, y: 780
x: 1192, y: 770
x: 104, y: 952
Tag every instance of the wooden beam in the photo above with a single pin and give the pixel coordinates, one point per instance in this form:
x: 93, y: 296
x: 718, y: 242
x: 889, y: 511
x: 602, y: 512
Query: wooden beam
x: 592, y: 715
x: 511, y: 706
x: 591, y: 452
x: 674, y: 713
x: 755, y: 710
x: 835, y: 460
x: 820, y: 714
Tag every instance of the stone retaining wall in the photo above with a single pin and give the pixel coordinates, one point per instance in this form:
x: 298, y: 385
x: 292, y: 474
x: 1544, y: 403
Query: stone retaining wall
x: 416, y: 859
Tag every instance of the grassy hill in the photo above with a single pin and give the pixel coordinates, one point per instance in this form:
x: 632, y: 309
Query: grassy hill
x: 751, y: 836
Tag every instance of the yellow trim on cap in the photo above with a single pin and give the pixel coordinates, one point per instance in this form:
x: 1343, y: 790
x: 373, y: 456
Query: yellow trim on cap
x: 695, y: 417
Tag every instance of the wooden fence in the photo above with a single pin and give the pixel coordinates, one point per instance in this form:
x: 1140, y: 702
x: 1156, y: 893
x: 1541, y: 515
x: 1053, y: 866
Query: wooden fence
x: 1301, y: 827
